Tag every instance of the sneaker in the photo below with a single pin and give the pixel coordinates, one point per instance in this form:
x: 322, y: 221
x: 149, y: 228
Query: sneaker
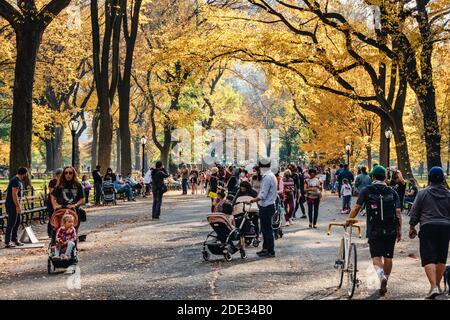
x: 10, y: 245
x: 383, y: 287
x: 314, y: 226
x: 267, y: 254
x: 303, y: 217
x: 18, y: 244
x: 310, y: 226
x: 287, y: 224
x: 291, y: 220
x: 434, y: 292
x: 263, y: 251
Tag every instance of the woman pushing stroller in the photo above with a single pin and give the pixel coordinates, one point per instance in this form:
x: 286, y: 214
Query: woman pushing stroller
x: 68, y: 193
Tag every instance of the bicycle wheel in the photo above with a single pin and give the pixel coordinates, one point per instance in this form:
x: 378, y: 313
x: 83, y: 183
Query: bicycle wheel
x: 339, y: 263
x: 352, y: 271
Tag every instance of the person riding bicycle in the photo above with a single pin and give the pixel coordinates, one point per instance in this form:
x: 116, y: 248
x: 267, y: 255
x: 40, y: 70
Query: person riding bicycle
x: 384, y: 222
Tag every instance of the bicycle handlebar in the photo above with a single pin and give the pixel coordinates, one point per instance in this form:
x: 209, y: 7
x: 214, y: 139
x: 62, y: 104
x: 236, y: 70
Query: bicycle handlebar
x: 343, y: 225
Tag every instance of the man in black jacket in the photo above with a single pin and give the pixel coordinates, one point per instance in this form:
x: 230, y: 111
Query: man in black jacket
x: 97, y: 184
x: 158, y: 188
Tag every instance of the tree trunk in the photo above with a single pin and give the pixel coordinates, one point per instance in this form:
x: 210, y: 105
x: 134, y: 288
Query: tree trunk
x: 369, y: 156
x: 124, y: 133
x: 118, y: 153
x: 28, y: 39
x: 94, y: 144
x: 49, y: 160
x: 432, y: 133
x: 401, y: 148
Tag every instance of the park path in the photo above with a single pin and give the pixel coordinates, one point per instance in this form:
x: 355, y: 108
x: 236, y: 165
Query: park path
x: 128, y: 256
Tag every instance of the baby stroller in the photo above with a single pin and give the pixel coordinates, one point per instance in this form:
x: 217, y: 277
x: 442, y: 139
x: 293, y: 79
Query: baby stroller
x: 247, y: 219
x: 224, y: 239
x: 277, y: 219
x: 55, y: 222
x: 109, y: 193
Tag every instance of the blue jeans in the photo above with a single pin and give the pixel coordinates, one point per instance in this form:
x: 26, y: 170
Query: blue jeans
x: 184, y: 185
x: 69, y: 249
x: 124, y: 188
x: 265, y: 215
x: 157, y: 202
x: 346, y: 202
x: 333, y: 186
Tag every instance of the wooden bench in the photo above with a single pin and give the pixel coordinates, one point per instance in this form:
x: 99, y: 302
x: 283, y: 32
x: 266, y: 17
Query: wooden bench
x: 34, y: 208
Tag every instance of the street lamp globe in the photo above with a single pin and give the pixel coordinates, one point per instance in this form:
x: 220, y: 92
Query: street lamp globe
x: 388, y: 133
x: 348, y: 147
x: 144, y: 140
x: 74, y: 124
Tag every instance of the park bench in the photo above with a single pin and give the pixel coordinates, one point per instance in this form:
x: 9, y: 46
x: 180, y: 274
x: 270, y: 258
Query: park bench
x: 34, y: 208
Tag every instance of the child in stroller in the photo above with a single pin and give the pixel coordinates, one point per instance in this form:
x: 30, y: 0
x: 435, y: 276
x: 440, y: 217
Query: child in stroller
x: 64, y: 240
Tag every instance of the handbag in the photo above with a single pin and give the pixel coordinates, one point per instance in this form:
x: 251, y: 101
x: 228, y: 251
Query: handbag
x: 164, y: 188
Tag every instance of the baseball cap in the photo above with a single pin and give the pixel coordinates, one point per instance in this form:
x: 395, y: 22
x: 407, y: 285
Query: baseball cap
x: 436, y: 175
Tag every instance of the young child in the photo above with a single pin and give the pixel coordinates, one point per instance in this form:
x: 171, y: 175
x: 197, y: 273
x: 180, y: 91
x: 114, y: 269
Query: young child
x: 346, y: 192
x: 65, y: 238
x: 87, y: 188
x: 219, y: 200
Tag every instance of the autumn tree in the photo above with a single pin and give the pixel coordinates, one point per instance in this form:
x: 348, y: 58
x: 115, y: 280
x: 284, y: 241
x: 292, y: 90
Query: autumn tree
x: 29, y: 24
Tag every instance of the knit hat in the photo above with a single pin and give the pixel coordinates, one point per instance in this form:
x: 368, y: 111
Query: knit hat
x: 436, y: 175
x: 378, y: 171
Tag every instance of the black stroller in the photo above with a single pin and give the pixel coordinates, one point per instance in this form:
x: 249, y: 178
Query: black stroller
x: 55, y: 222
x: 109, y: 193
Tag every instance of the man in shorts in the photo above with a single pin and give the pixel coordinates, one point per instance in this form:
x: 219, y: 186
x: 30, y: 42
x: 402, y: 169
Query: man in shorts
x: 432, y: 210
x: 383, y: 223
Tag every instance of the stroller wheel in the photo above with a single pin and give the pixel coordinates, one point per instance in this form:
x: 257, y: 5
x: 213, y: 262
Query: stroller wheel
x: 243, y: 254
x: 227, y: 256
x: 255, y: 243
x: 49, y: 266
x: 205, y: 255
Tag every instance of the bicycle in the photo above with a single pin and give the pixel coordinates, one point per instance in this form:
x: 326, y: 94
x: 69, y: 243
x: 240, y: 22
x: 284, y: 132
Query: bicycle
x: 347, y: 261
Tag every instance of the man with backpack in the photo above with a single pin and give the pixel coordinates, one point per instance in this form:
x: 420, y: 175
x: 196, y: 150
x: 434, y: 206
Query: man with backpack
x: 384, y: 222
x: 431, y: 209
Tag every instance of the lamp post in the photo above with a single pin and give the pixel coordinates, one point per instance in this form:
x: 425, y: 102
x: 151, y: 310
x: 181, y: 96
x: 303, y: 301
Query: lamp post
x: 143, y: 142
x: 347, y: 149
x: 388, y: 134
x: 74, y: 125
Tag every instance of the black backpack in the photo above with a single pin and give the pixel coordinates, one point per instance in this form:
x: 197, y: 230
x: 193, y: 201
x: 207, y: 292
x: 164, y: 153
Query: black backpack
x: 381, y: 211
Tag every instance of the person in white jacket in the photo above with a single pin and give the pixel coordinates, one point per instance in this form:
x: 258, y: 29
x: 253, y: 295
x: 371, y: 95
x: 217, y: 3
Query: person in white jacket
x: 147, y: 182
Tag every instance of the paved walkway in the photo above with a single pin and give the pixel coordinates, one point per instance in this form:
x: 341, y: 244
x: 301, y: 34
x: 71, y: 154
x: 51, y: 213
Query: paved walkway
x: 128, y: 256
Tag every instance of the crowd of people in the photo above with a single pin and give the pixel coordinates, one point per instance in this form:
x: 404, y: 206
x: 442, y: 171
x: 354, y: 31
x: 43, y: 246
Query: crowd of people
x: 382, y: 195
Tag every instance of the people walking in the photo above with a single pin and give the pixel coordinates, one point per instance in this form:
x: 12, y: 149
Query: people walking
x: 333, y: 178
x: 288, y: 196
x: 184, y: 178
x: 346, y: 192
x: 266, y: 203
x: 313, y: 189
x: 431, y: 209
x: 86, y: 187
x: 345, y: 173
x: 194, y: 180
x: 97, y: 176
x: 384, y: 222
x: 399, y: 185
x: 14, y: 194
x: 301, y: 198
x: 362, y: 180
x: 411, y: 194
x: 213, y: 183
x: 159, y: 173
